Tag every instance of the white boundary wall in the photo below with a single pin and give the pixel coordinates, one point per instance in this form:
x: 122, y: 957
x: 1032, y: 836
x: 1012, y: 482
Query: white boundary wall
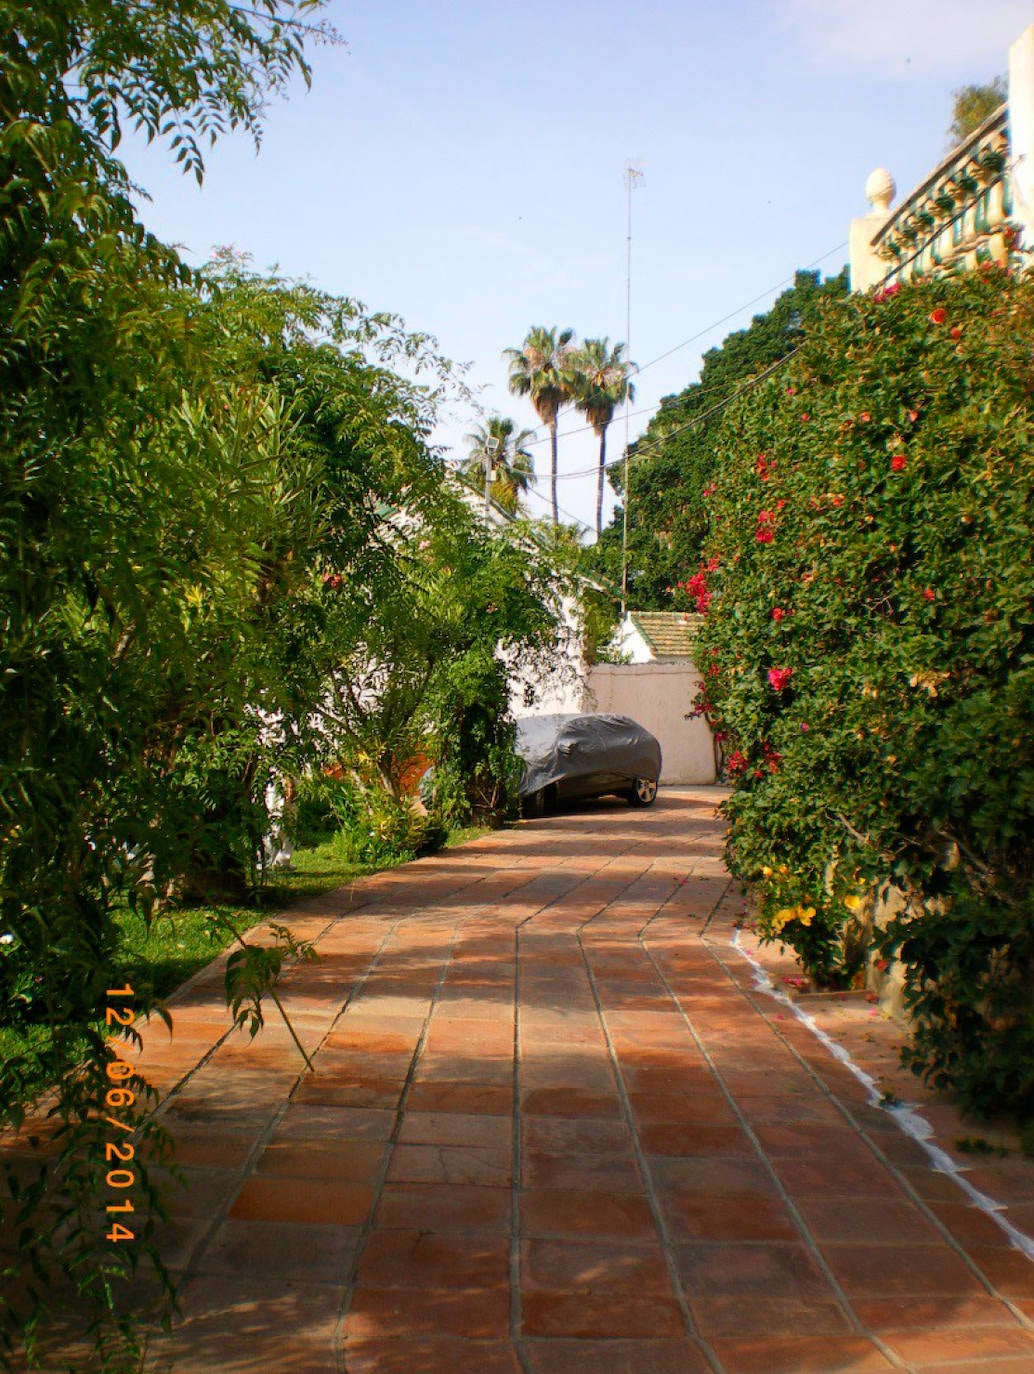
x: 659, y: 696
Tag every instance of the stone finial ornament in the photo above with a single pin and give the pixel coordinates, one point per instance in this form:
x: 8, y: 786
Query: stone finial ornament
x: 880, y: 190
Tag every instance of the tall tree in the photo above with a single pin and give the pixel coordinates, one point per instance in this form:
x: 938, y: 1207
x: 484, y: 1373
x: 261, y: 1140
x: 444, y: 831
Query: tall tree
x: 541, y: 369
x: 500, y: 449
x: 601, y: 384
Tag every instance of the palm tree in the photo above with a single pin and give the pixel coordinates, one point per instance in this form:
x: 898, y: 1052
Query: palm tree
x: 601, y: 383
x: 540, y: 368
x: 499, y: 455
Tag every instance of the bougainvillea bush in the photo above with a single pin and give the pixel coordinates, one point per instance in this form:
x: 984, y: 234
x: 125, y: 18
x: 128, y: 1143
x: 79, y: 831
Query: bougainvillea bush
x: 868, y: 654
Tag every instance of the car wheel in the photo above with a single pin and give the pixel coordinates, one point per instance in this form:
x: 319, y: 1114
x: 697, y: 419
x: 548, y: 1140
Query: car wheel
x: 643, y: 793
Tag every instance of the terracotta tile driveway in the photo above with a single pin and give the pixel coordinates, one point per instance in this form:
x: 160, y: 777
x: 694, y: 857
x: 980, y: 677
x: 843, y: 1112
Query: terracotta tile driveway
x: 555, y: 1129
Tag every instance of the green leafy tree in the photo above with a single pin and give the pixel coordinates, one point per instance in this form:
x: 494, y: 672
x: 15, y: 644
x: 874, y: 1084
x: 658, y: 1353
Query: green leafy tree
x: 867, y: 643
x: 601, y: 383
x: 971, y: 105
x: 541, y: 370
x: 673, y: 464
x: 498, y: 448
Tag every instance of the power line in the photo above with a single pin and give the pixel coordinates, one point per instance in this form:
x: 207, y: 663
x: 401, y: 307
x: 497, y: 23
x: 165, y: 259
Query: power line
x: 786, y: 281
x: 739, y: 310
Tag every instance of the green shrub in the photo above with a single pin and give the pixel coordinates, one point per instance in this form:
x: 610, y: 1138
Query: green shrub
x: 868, y: 657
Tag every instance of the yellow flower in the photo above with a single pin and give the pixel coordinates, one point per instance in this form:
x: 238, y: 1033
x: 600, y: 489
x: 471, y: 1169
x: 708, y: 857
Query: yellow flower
x: 854, y: 901
x: 805, y: 914
x: 766, y: 872
x: 783, y: 869
x: 782, y: 917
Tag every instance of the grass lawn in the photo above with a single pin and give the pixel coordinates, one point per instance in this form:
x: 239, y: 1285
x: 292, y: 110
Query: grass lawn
x: 157, y: 959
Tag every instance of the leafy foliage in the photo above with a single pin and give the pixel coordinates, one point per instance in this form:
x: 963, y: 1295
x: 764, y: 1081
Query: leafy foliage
x: 868, y: 646
x: 673, y: 464
x: 971, y: 105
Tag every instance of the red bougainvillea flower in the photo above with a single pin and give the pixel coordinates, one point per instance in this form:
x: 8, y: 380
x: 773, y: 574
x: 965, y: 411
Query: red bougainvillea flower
x: 779, y: 678
x: 938, y: 316
x: 865, y: 417
x: 913, y: 416
x: 777, y: 613
x: 712, y: 565
x: 763, y: 535
x: 899, y: 462
x: 790, y: 390
x: 804, y: 725
x: 736, y: 762
x: 805, y: 417
x: 838, y: 500
x: 956, y: 331
x: 929, y: 594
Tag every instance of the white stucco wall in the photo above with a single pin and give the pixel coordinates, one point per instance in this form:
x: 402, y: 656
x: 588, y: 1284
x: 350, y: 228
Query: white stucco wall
x: 659, y: 696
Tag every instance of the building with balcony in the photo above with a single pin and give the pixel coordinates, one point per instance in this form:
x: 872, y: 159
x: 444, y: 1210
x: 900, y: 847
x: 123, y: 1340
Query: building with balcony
x: 975, y: 206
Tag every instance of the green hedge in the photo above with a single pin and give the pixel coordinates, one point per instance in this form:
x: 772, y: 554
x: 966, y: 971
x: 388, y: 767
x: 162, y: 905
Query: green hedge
x: 868, y: 652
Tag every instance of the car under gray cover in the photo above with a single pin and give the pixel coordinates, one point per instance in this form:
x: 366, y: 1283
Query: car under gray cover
x: 567, y: 756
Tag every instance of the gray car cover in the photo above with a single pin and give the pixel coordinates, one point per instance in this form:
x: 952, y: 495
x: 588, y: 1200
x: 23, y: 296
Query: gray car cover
x: 555, y: 748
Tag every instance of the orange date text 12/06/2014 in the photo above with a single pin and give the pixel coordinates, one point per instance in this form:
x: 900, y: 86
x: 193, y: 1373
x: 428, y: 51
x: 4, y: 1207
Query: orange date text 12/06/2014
x: 119, y: 1151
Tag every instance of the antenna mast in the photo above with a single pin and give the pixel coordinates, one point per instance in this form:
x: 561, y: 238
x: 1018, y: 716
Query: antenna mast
x: 633, y: 176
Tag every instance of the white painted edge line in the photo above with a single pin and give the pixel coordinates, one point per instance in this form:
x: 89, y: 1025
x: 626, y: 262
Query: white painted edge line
x: 908, y: 1119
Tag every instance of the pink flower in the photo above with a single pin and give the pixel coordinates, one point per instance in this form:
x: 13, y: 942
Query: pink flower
x: 779, y: 678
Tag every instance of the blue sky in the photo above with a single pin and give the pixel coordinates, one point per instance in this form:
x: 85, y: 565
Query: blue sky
x: 462, y: 164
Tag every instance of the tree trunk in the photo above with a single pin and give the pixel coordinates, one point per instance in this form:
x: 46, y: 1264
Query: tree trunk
x: 553, y: 474
x: 599, y: 485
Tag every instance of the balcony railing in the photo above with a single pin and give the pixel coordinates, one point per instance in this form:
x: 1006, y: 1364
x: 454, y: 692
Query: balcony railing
x: 960, y: 216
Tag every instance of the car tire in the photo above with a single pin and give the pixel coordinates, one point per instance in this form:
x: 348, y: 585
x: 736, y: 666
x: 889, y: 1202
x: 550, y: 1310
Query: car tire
x: 643, y: 792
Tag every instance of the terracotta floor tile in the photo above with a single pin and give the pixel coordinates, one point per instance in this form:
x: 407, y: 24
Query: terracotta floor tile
x: 451, y: 1207
x: 909, y: 1313
x: 455, y: 1128
x: 342, y: 1092
x: 871, y: 1271
x: 994, y: 1364
x: 617, y: 1173
x: 830, y: 1178
x: 692, y: 1217
x: 737, y: 1318
x: 480, y: 1164
x: 647, y: 1356
x: 334, y: 1123
x: 355, y: 1161
x: 558, y: 1135
x: 203, y: 1191
x: 419, y: 1259
x: 472, y: 1099
x: 567, y: 1212
x: 703, y: 1176
x: 321, y: 1201
x: 802, y: 1355
x: 232, y: 1324
x: 594, y: 1267
x: 431, y: 1355
x: 1009, y: 1270
x: 304, y: 1252
x: 777, y: 1270
x: 473, y: 1313
x: 589, y: 1314
x: 569, y: 1102
x: 934, y: 1347
x: 890, y: 1223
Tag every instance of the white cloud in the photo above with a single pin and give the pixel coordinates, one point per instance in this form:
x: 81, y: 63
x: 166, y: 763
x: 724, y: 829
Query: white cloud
x: 920, y: 37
